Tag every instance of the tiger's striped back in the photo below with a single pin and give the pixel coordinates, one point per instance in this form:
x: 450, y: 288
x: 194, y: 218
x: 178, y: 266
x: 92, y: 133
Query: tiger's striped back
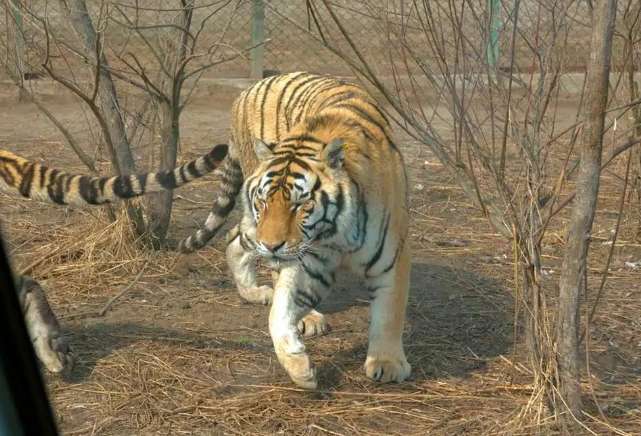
x: 287, y: 110
x: 33, y: 180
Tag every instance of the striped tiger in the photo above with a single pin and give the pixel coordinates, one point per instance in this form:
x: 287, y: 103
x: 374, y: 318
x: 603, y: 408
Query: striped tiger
x: 322, y: 183
x: 32, y: 180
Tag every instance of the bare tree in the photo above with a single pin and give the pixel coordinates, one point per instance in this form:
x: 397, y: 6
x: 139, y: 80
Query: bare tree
x: 16, y: 49
x: 162, y: 57
x: 437, y: 51
x: 574, y: 270
x: 110, y: 113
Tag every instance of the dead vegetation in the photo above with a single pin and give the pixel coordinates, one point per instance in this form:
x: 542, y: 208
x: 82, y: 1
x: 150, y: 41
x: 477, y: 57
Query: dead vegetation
x: 180, y: 354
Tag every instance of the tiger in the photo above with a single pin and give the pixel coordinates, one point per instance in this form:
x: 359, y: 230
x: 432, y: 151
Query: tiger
x: 33, y: 180
x: 322, y: 184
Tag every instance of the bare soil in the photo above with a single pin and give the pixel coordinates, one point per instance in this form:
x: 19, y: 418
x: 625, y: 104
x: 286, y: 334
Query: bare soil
x: 180, y: 353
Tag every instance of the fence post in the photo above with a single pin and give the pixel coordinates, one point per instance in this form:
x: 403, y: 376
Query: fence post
x: 18, y: 69
x: 494, y: 9
x: 257, y: 54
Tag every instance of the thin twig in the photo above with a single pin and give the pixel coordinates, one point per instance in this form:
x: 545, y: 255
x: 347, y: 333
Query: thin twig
x: 111, y: 301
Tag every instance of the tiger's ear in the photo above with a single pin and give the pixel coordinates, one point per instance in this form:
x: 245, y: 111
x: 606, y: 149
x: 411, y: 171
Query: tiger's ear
x: 333, y: 153
x: 263, y: 151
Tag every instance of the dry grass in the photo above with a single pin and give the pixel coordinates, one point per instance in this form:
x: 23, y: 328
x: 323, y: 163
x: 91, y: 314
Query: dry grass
x: 180, y: 354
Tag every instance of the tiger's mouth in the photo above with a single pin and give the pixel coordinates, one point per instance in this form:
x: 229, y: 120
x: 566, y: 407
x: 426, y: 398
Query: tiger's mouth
x: 290, y: 255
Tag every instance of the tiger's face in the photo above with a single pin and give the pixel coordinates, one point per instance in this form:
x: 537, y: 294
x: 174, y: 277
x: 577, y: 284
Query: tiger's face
x: 295, y: 201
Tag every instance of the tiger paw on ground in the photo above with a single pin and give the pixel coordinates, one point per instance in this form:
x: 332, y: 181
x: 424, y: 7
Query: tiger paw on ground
x: 292, y: 356
x: 54, y: 352
x: 387, y: 369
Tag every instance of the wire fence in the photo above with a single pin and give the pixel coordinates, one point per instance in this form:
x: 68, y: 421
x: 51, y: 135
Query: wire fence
x: 293, y: 31
x: 288, y: 35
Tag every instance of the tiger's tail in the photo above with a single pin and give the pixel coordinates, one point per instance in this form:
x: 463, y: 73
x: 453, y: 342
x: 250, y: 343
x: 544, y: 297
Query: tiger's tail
x: 231, y: 183
x: 36, y: 181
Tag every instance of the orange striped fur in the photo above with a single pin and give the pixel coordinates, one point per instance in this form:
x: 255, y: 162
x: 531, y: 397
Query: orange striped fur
x: 322, y: 183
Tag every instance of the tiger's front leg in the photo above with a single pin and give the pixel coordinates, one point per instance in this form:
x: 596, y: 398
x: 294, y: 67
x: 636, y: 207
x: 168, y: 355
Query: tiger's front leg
x: 312, y: 324
x: 300, y: 288
x: 389, y: 290
x: 242, y: 263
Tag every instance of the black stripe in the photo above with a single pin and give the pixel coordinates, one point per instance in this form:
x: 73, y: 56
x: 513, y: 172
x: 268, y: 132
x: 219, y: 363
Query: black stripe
x: 318, y: 90
x: 166, y: 179
x: 191, y: 169
x: 295, y: 103
x: 301, y: 163
x: 304, y: 299
x: 122, y: 187
x: 317, y: 257
x: 315, y: 275
x: 303, y: 138
x: 364, y: 225
x: 87, y: 189
x: 293, y: 96
x: 246, y: 243
x: 216, y: 155
x: 181, y: 171
x: 27, y: 180
x: 337, y: 98
x: 234, y: 237
x: 283, y: 92
x: 142, y: 181
x: 305, y: 97
x: 391, y: 265
x: 379, y: 251
x: 42, y: 182
x: 262, y: 106
x: 367, y: 117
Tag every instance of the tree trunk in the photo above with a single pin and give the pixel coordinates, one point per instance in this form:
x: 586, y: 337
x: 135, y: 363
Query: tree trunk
x: 160, y: 204
x: 575, y: 259
x: 120, y: 151
x: 16, y: 57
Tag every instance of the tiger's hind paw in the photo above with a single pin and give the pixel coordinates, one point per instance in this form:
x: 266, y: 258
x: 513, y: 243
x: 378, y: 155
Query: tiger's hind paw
x: 313, y: 324
x: 54, y: 352
x: 387, y: 369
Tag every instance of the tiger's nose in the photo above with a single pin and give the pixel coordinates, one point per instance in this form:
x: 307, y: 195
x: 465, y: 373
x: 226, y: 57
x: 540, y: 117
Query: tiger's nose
x: 273, y: 247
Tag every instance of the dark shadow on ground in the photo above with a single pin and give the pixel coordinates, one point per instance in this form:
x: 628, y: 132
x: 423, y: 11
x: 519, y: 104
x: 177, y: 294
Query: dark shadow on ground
x: 93, y: 342
x: 456, y: 321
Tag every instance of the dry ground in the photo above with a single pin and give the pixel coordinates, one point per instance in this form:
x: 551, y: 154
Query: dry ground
x: 181, y: 354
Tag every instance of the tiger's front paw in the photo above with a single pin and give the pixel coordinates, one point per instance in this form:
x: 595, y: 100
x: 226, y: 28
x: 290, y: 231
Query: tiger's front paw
x: 387, y: 369
x: 291, y: 354
x: 257, y: 295
x: 313, y: 324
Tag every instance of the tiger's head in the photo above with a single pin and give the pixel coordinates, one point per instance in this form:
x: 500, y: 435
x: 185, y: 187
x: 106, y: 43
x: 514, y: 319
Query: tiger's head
x: 295, y: 196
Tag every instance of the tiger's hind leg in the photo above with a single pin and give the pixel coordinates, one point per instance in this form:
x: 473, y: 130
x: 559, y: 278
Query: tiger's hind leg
x: 50, y: 346
x: 386, y: 359
x: 312, y: 324
x: 242, y: 263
